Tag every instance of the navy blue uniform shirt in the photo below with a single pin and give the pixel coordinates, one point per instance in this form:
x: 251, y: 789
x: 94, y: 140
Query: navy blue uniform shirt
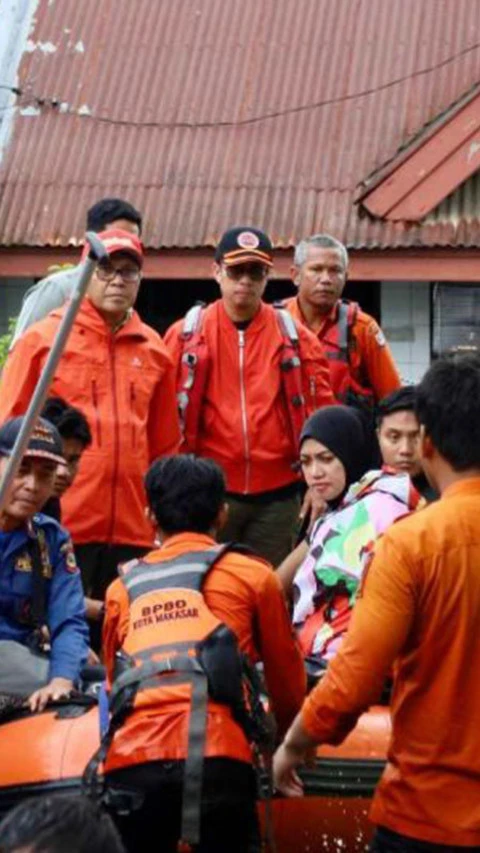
x: 64, y: 604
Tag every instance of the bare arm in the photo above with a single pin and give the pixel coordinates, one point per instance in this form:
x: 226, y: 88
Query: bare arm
x: 287, y: 570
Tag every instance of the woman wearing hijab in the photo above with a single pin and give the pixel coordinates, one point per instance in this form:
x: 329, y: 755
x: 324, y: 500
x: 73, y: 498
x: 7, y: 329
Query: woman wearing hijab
x: 360, y: 506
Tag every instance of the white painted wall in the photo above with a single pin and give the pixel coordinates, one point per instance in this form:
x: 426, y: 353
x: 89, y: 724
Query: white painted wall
x: 405, y: 313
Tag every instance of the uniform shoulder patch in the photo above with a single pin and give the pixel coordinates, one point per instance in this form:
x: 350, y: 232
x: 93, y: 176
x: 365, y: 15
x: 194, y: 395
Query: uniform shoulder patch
x: 70, y: 560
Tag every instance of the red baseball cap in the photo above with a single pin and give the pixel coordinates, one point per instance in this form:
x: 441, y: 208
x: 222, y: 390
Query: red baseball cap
x: 117, y: 240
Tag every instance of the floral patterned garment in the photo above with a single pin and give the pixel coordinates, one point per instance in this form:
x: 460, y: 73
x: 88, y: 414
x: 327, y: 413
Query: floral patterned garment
x: 326, y: 583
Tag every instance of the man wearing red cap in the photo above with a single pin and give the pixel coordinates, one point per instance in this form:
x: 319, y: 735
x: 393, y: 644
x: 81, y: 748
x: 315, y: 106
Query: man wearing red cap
x: 118, y: 372
x: 53, y: 291
x: 247, y: 377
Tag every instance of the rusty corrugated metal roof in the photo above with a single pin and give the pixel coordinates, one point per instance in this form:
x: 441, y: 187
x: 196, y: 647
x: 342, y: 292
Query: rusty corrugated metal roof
x: 206, y: 113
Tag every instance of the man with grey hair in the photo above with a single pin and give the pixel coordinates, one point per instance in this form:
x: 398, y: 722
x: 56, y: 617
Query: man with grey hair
x: 361, y: 364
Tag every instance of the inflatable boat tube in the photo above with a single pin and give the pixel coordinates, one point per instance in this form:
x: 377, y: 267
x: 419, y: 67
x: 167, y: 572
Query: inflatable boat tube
x: 48, y: 752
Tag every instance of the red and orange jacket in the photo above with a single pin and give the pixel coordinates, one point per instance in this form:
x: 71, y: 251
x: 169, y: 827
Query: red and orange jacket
x: 244, y: 422
x: 124, y: 384
x: 370, y: 360
x: 419, y: 609
x: 245, y: 594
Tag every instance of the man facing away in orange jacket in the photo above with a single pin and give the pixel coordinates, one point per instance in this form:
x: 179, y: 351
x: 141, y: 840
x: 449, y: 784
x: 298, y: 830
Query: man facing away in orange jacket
x: 153, y: 610
x: 247, y: 377
x: 117, y: 371
x: 419, y: 610
x: 361, y: 365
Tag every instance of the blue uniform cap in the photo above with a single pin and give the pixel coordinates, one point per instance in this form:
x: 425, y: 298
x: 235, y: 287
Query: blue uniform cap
x: 44, y: 443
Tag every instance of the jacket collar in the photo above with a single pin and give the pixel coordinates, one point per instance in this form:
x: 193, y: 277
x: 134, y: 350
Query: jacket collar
x: 89, y: 318
x: 324, y: 323
x: 180, y: 543
x: 257, y: 323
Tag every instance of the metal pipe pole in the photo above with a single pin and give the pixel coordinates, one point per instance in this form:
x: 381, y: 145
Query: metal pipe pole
x: 96, y: 254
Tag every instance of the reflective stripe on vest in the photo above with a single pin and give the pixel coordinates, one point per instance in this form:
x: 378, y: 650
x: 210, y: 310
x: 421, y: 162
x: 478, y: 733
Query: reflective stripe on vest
x: 188, y: 570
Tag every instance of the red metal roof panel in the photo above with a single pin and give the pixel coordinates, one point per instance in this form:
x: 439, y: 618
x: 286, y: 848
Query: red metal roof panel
x: 205, y: 113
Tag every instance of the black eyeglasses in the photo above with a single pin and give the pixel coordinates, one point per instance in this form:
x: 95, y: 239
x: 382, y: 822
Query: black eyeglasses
x: 256, y: 272
x: 107, y: 273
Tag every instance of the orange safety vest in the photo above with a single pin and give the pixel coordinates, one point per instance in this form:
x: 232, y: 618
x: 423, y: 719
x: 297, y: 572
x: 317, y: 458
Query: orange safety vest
x: 177, y: 650
x: 337, y: 344
x: 194, y: 371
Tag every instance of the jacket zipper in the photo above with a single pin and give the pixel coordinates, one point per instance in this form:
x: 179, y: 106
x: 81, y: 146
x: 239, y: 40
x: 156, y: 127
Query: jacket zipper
x: 243, y: 408
x: 115, y: 439
x: 97, y: 412
x: 132, y: 408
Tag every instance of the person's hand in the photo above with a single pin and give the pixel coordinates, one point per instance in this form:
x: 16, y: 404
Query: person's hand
x: 94, y: 609
x: 313, y: 504
x: 92, y: 658
x: 56, y: 689
x: 285, y: 777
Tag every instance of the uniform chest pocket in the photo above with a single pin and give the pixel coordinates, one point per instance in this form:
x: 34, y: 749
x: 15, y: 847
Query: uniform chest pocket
x: 74, y: 379
x: 140, y: 389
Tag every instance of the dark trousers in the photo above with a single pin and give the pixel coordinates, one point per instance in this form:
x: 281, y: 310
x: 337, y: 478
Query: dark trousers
x: 267, y: 528
x: 228, y: 809
x: 98, y: 564
x: 387, y: 841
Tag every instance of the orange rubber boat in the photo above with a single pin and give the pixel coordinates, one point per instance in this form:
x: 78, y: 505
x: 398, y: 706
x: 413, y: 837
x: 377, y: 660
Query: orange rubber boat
x: 48, y: 752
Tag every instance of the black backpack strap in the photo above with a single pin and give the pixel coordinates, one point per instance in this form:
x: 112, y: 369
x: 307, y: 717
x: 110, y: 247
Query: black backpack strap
x: 38, y: 609
x: 193, y: 772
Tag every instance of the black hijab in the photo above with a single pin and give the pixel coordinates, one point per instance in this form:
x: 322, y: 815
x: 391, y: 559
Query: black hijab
x: 341, y: 429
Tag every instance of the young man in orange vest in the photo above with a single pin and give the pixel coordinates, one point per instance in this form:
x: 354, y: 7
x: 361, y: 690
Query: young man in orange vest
x: 247, y: 377
x: 171, y: 614
x: 362, y: 368
x: 418, y: 611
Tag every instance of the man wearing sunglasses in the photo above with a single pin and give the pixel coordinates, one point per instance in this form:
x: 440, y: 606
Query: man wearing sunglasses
x: 117, y: 371
x: 247, y: 376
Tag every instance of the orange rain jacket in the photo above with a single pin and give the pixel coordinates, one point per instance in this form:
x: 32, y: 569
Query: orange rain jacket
x: 124, y: 385
x: 370, y: 358
x: 243, y: 592
x: 244, y: 419
x: 419, y: 607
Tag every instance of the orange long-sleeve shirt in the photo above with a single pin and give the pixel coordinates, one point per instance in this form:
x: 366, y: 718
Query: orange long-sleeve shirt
x: 244, y: 593
x: 419, y: 607
x: 370, y: 358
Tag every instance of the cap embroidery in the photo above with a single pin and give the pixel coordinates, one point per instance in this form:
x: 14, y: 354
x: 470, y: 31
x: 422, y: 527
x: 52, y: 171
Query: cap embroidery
x: 42, y: 434
x: 248, y: 240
